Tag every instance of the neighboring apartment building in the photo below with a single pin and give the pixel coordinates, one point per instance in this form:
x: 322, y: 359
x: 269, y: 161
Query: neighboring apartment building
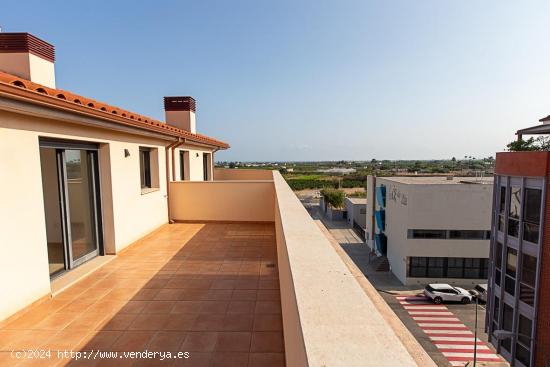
x: 80, y: 178
x: 356, y: 214
x: 518, y: 311
x: 432, y: 229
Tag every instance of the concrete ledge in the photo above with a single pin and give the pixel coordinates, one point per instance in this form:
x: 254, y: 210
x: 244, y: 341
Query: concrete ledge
x: 328, y: 319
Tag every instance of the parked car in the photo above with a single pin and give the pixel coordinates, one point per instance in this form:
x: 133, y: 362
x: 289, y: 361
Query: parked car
x: 480, y: 291
x: 446, y: 293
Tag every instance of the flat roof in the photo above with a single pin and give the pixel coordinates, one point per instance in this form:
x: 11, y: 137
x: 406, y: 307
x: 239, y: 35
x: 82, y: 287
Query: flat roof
x: 357, y: 200
x: 438, y: 180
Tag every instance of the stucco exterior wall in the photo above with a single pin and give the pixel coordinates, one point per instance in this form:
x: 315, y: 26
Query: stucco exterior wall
x: 433, y: 206
x: 193, y: 164
x: 30, y: 67
x: 127, y: 213
x: 252, y: 201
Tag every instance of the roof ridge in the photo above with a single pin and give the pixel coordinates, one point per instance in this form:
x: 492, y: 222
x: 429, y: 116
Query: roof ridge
x: 110, y: 110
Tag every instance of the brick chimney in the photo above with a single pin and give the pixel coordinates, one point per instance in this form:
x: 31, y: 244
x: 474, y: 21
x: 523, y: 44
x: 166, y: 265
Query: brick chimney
x: 27, y: 57
x: 180, y: 112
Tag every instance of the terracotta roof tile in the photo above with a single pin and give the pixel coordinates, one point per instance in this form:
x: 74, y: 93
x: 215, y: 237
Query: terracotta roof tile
x: 76, y: 101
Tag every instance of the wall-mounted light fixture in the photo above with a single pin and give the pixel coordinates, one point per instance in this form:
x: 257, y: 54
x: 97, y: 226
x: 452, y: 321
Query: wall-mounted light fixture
x: 126, y: 153
x: 197, y: 154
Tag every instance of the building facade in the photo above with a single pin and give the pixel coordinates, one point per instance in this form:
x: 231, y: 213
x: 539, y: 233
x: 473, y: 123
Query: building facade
x: 356, y: 214
x: 80, y: 178
x: 432, y: 229
x: 519, y: 274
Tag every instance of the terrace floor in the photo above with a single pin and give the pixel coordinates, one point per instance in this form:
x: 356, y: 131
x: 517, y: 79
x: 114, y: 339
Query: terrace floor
x: 211, y: 290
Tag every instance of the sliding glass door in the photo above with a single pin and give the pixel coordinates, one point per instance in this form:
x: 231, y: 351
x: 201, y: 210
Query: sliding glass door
x: 71, y: 203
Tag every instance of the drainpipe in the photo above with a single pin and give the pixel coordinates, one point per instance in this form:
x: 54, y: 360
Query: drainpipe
x: 167, y: 152
x: 173, y: 148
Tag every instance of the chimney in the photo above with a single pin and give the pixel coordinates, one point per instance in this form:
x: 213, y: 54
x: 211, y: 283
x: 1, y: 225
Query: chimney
x: 180, y: 112
x: 27, y: 57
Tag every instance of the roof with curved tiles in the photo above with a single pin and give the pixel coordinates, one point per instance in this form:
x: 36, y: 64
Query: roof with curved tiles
x: 25, y: 88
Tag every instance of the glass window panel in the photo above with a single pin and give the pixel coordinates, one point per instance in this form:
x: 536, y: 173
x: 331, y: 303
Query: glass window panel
x: 523, y: 355
x: 513, y: 227
x: 531, y: 232
x: 501, y: 222
x: 528, y: 269
x: 497, y: 277
x: 496, y: 309
x: 502, y: 203
x: 467, y: 234
x: 511, y: 261
x: 515, y: 202
x: 428, y: 233
x: 525, y: 326
x: 498, y: 255
x: 510, y: 285
x: 531, y: 212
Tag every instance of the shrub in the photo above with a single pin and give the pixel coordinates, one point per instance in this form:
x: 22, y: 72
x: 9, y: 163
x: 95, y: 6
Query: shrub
x: 334, y: 197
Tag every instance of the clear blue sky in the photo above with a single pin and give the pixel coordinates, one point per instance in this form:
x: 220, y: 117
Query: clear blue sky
x: 312, y: 80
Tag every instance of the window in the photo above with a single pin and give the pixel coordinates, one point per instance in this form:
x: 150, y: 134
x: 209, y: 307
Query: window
x: 427, y: 233
x: 502, y: 208
x: 148, y: 169
x: 507, y: 320
x: 145, y: 167
x: 182, y: 165
x: 453, y: 234
x: 528, y: 278
x: 418, y: 267
x: 448, y: 267
x: 523, y: 344
x: 206, y: 165
x: 498, y: 263
x: 496, y: 313
x: 511, y: 266
x: 469, y: 235
x: 531, y: 215
x: 513, y: 214
x: 436, y: 267
x: 455, y: 267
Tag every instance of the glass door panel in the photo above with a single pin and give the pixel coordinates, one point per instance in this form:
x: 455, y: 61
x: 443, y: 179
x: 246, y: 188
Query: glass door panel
x: 80, y: 197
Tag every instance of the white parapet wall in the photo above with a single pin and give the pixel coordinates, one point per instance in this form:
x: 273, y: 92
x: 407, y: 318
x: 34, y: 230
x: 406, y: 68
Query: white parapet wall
x: 223, y: 201
x: 328, y: 319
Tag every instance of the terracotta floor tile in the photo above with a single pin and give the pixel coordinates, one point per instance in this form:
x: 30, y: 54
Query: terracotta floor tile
x: 229, y: 359
x: 57, y: 321
x: 65, y: 340
x: 167, y: 341
x: 219, y: 295
x: 269, y: 295
x: 158, y: 307
x: 209, y: 322
x: 187, y: 307
x: 238, y: 322
x: 118, y: 321
x: 214, y: 306
x: 149, y: 322
x: 233, y: 342
x: 269, y: 307
x: 133, y: 341
x: 180, y: 322
x: 241, y: 307
x: 7, y: 360
x: 196, y: 359
x: 244, y: 295
x: 247, y: 283
x: 195, y: 294
x: 266, y: 360
x: 87, y: 321
x: 133, y: 307
x: 200, y: 342
x: 145, y: 294
x: 269, y: 284
x: 101, y: 340
x: 268, y: 322
x: 169, y: 295
x: 267, y: 341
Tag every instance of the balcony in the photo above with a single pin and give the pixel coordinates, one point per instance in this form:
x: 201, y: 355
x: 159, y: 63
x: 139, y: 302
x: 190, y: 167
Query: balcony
x: 244, y: 277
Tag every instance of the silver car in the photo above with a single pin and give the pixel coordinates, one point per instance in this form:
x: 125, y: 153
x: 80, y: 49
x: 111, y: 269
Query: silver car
x: 480, y: 291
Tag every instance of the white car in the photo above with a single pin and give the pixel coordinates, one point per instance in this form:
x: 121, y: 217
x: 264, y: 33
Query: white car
x: 447, y: 293
x: 480, y: 291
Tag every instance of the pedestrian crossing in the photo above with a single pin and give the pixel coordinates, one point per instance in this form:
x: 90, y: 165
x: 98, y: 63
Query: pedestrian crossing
x: 451, y: 337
